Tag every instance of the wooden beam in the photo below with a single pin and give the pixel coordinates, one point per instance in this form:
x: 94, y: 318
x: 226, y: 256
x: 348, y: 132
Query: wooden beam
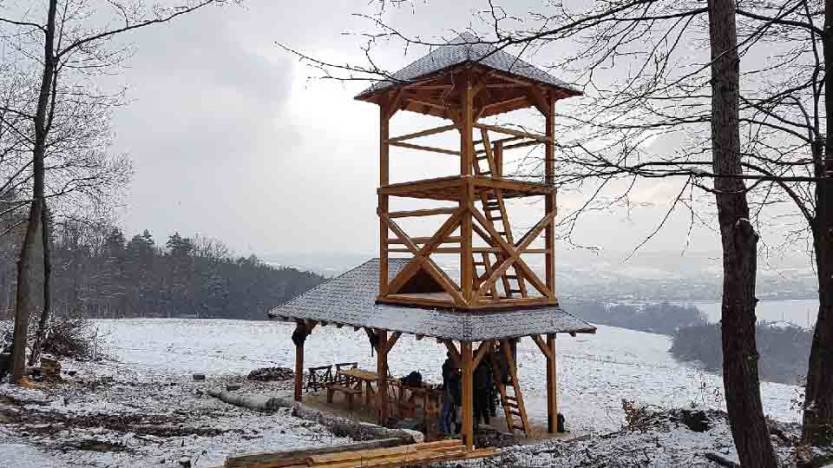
x: 382, y: 373
x: 484, y: 349
x: 539, y: 100
x: 430, y: 149
x: 467, y: 371
x: 513, y: 255
x: 467, y: 200
x: 513, y: 132
x: 452, y: 349
x: 384, y: 179
x: 302, y: 330
x: 552, y: 386
x: 541, y: 345
x: 550, y: 202
x: 421, y: 258
x: 422, y: 240
x: 427, y: 212
x: 392, y: 341
x: 422, y: 133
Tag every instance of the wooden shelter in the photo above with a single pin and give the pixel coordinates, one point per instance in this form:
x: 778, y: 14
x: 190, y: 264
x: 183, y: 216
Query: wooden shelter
x: 494, y: 297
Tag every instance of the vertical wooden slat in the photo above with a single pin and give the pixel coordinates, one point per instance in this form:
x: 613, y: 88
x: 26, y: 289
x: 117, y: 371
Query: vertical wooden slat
x: 467, y: 394
x: 549, y: 204
x: 552, y: 386
x: 384, y: 179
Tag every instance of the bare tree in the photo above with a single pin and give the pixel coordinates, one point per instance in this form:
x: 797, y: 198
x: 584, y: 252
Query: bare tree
x: 64, y: 43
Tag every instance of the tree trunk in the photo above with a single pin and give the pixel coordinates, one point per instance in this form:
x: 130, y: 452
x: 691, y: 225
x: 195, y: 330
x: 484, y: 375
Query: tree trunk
x: 739, y: 241
x: 40, y: 335
x: 25, y: 305
x: 818, y: 399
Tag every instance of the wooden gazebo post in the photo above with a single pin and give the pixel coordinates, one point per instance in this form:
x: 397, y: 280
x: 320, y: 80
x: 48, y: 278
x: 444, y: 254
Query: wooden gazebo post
x: 382, y: 372
x: 552, y: 386
x: 467, y: 370
x: 299, y: 336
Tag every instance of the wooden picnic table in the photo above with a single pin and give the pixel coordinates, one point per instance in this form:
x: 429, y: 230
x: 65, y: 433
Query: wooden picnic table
x: 358, y: 378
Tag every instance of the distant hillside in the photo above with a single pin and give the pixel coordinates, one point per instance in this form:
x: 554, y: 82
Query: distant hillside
x: 98, y: 273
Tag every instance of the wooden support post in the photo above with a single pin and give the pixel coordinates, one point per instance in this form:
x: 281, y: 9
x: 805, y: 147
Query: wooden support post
x: 299, y: 336
x: 552, y: 386
x: 467, y: 371
x: 467, y: 200
x: 382, y: 372
x: 549, y: 204
x: 384, y: 179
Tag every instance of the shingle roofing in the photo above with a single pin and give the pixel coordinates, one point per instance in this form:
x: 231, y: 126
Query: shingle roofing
x: 466, y: 48
x: 350, y: 299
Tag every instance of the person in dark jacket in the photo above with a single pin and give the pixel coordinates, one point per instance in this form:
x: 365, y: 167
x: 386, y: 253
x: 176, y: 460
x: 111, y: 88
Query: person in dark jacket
x: 451, y: 396
x: 482, y: 392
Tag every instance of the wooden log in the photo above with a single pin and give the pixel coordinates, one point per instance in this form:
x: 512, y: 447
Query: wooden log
x: 339, y: 426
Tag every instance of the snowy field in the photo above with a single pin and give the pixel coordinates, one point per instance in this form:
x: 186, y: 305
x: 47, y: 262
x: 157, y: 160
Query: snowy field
x: 596, y: 372
x: 144, y: 409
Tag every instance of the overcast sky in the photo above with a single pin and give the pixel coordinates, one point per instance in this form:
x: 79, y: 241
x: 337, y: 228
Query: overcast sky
x: 230, y: 140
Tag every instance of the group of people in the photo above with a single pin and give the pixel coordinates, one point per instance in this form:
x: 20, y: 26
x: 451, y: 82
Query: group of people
x: 484, y: 398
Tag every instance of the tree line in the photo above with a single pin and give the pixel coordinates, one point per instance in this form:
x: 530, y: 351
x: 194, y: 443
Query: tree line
x: 98, y: 272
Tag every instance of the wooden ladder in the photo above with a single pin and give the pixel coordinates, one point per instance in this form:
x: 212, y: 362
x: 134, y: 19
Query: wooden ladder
x: 511, y: 398
x: 494, y: 210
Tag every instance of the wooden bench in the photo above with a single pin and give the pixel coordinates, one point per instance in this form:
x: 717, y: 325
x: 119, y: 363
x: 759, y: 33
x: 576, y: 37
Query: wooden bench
x: 349, y: 393
x: 319, y: 377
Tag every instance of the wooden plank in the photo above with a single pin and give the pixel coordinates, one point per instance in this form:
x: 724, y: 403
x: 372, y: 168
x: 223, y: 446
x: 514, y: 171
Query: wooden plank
x: 422, y: 133
x: 430, y: 149
x: 286, y: 458
x: 467, y: 196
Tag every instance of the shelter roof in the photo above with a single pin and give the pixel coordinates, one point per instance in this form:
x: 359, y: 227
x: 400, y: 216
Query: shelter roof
x: 350, y: 299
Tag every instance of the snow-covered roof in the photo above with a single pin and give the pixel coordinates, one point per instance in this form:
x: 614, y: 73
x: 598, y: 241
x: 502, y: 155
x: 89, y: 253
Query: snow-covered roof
x: 467, y: 48
x: 350, y: 299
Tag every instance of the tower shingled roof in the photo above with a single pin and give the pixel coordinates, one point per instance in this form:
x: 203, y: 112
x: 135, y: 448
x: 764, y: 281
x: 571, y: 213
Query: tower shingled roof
x: 462, y: 49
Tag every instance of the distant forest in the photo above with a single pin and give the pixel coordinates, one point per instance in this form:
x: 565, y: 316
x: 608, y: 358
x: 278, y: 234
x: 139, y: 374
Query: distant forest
x: 98, y: 273
x: 662, y: 317
x: 784, y: 349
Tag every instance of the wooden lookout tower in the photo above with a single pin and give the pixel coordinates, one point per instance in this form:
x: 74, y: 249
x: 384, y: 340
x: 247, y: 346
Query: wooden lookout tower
x: 501, y: 287
x: 465, y: 82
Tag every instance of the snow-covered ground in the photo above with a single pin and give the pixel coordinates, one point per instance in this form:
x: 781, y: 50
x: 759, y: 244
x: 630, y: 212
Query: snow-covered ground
x: 150, y: 386
x: 595, y: 372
